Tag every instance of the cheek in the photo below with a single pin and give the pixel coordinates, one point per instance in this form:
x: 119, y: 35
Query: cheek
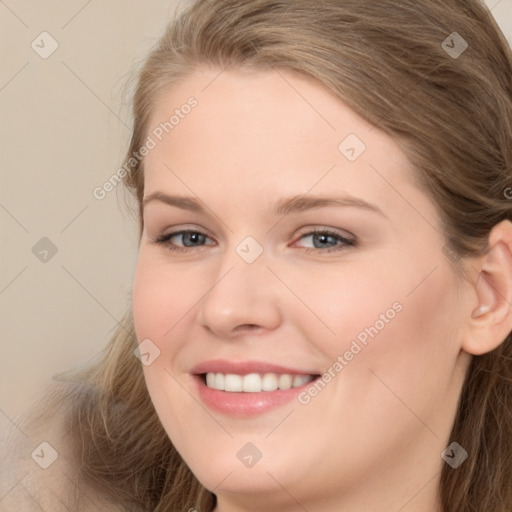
x: 160, y: 302
x: 162, y: 297
x: 406, y: 363
x: 340, y: 305
x: 391, y: 365
x: 394, y: 326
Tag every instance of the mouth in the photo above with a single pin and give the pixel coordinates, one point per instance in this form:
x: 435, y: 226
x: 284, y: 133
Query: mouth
x: 255, y: 382
x: 244, y: 390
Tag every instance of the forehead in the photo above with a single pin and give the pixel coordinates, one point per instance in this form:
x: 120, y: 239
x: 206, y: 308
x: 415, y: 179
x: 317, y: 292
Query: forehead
x: 267, y: 133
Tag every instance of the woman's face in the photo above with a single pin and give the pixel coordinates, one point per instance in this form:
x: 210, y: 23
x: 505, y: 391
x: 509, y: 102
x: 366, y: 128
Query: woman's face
x: 308, y: 251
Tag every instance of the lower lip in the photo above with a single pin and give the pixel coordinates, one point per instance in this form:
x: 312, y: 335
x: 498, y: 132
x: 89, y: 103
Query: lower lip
x: 244, y: 405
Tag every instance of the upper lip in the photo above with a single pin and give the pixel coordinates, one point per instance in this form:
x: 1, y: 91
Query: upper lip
x: 245, y: 367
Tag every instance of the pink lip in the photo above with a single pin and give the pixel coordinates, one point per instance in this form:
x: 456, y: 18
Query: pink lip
x: 245, y: 367
x: 244, y: 405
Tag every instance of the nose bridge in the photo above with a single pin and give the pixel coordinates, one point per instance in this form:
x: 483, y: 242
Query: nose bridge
x: 243, y: 291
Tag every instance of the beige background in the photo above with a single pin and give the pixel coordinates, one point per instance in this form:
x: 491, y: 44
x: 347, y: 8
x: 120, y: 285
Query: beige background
x: 64, y: 131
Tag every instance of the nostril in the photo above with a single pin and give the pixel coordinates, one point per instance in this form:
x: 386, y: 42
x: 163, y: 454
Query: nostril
x: 248, y: 327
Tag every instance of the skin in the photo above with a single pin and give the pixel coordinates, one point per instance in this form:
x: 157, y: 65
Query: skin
x: 372, y: 438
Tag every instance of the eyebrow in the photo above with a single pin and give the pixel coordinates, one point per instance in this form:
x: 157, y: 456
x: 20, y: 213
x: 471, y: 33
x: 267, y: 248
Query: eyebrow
x: 295, y: 204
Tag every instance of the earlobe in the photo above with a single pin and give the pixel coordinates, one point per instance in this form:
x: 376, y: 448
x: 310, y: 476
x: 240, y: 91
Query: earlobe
x: 491, y: 320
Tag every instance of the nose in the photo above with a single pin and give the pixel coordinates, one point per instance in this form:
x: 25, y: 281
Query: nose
x: 243, y: 298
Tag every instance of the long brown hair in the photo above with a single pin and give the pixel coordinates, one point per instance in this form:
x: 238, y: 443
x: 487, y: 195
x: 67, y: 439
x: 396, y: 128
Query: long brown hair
x: 452, y: 116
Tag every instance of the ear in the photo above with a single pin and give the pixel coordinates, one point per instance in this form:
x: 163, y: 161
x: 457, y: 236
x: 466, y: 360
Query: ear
x: 491, y: 319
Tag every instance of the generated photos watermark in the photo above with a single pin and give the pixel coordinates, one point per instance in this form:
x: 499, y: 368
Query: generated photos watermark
x: 356, y: 346
x: 157, y: 135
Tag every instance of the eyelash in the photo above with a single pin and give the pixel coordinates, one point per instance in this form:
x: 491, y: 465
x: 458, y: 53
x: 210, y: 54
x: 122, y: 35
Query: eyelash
x: 164, y: 240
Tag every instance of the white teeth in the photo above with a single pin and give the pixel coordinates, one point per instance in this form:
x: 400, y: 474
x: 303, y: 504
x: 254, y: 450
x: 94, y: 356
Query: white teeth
x: 269, y: 382
x: 300, y: 380
x: 218, y: 383
x: 251, y: 383
x: 232, y: 382
x: 285, y: 381
x: 210, y: 380
x: 254, y: 382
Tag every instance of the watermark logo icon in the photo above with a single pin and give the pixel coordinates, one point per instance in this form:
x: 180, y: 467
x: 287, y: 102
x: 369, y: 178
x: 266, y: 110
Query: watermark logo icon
x: 352, y: 147
x: 454, y: 455
x: 147, y: 352
x: 454, y: 45
x: 45, y: 455
x: 44, y: 250
x: 249, y: 249
x: 44, y: 45
x: 249, y: 455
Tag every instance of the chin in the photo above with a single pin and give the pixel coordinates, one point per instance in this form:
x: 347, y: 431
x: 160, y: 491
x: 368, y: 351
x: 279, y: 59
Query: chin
x: 237, y: 468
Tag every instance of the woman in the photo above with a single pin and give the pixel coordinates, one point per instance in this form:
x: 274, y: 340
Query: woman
x: 321, y: 303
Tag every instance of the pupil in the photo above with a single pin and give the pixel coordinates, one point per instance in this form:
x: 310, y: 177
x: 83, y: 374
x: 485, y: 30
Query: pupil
x: 323, y: 238
x: 192, y: 237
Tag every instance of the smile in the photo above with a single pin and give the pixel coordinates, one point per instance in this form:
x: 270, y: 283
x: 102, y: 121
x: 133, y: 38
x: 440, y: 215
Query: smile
x: 254, y: 382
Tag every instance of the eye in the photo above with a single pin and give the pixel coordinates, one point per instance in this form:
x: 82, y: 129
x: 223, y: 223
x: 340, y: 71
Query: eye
x: 325, y: 240
x: 189, y: 238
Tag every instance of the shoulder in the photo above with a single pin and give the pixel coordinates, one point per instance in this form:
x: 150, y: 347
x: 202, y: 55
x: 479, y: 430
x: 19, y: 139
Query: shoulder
x: 37, y: 467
